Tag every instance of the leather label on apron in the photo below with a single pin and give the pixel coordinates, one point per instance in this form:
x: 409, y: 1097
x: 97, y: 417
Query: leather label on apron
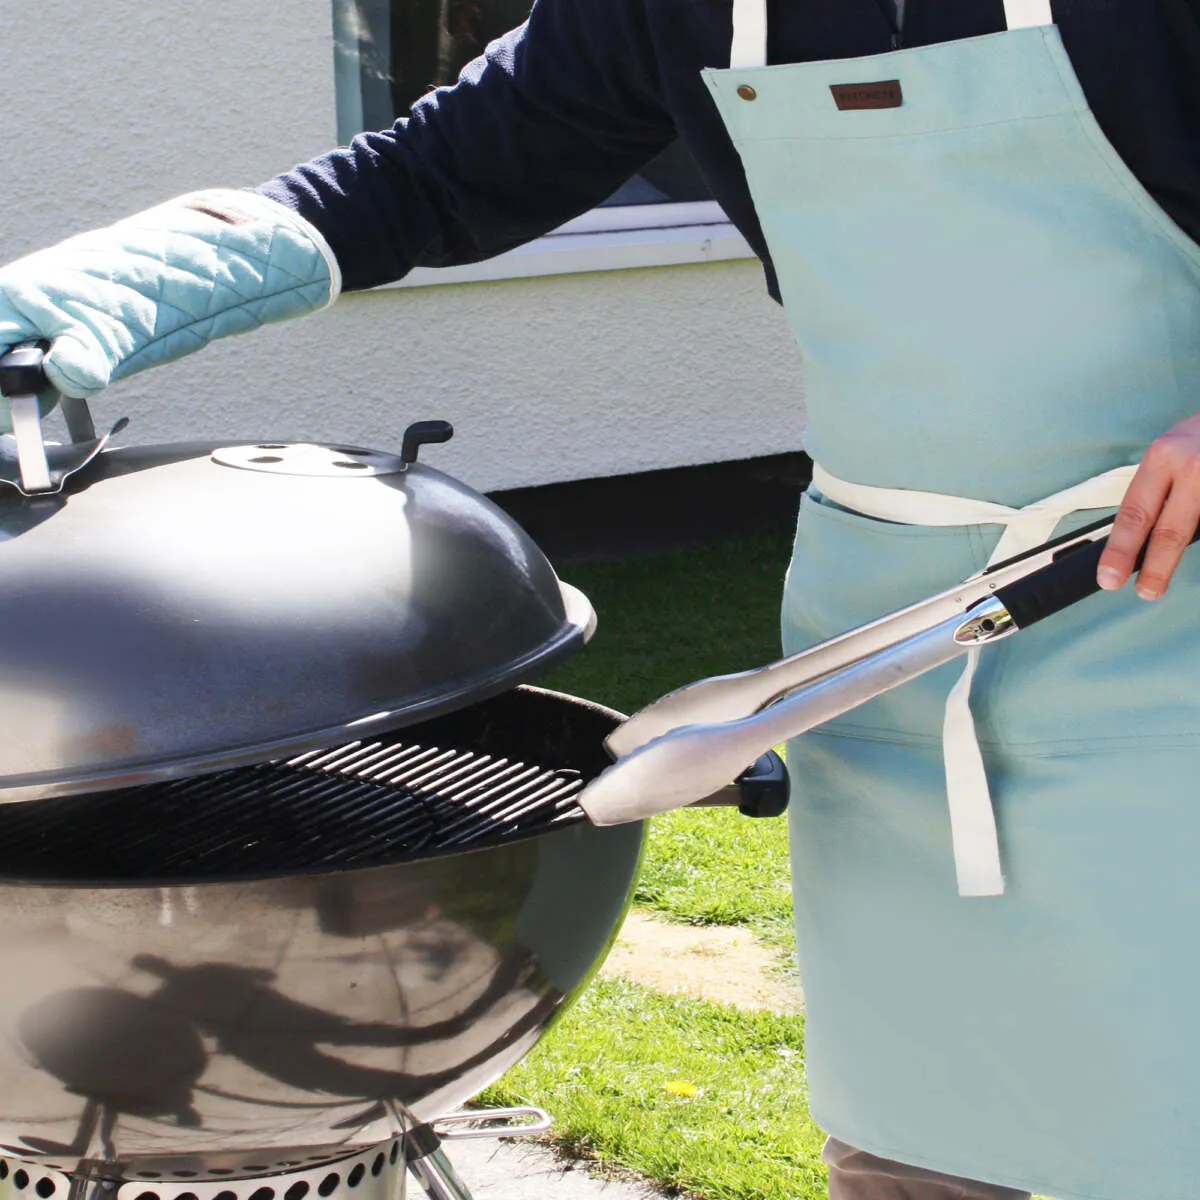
x: 884, y: 94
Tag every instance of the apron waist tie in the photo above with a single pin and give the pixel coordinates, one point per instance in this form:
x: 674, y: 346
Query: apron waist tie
x: 972, y: 818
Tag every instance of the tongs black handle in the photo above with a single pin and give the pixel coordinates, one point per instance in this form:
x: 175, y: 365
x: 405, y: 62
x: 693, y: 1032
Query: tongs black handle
x: 1067, y: 580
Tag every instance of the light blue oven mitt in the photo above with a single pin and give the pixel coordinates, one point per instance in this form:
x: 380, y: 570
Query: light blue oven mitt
x: 163, y: 284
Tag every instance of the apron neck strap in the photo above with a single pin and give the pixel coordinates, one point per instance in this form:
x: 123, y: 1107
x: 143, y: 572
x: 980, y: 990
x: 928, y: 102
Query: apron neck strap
x: 1021, y: 14
x: 749, y: 46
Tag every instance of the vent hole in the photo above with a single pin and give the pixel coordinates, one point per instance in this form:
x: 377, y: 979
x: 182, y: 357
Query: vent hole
x: 148, y: 1196
x: 351, y: 466
x: 226, y: 1196
x: 329, y: 1185
x: 395, y: 1154
x: 272, y: 446
x: 356, y: 1176
x: 187, y: 1196
x: 45, y: 1188
x: 3, y: 1170
x: 267, y: 458
x: 21, y: 1179
x: 263, y: 1193
x: 297, y: 1191
x: 377, y: 1165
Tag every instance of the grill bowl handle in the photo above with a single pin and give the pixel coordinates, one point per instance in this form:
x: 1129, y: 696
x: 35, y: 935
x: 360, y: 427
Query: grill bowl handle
x: 762, y: 790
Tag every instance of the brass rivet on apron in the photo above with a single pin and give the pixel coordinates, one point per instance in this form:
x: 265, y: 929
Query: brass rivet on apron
x: 747, y: 92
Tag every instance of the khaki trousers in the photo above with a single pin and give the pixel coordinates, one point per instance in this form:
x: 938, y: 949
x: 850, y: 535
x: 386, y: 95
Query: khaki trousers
x: 856, y: 1175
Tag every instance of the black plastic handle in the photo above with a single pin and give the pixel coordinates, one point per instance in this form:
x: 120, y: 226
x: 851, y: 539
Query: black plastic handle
x: 423, y: 433
x: 21, y: 371
x: 763, y: 789
x: 1070, y: 578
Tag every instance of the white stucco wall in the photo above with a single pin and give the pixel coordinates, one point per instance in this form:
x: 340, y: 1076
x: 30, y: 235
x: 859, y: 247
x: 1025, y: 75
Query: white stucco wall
x: 107, y: 107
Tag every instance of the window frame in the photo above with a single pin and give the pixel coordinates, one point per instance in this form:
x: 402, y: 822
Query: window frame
x: 615, y: 237
x: 607, y: 239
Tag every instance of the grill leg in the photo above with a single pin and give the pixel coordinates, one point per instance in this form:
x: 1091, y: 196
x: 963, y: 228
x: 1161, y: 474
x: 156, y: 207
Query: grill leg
x: 438, y: 1178
x: 84, y: 1187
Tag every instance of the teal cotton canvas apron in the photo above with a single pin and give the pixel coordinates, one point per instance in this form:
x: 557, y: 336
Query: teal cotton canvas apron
x: 992, y: 311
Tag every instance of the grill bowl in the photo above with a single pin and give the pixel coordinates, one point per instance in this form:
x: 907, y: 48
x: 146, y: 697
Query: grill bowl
x: 253, y: 1018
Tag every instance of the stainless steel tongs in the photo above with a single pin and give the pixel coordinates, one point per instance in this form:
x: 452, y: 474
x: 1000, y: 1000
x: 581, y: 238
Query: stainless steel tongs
x: 694, y: 740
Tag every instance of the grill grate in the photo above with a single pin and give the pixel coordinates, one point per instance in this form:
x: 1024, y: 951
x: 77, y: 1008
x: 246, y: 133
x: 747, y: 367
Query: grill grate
x: 405, y: 796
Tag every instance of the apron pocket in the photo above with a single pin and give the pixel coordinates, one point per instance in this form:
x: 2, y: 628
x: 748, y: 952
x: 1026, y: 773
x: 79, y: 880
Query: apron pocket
x: 848, y: 569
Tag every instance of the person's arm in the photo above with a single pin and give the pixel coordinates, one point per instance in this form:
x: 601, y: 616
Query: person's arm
x: 551, y: 120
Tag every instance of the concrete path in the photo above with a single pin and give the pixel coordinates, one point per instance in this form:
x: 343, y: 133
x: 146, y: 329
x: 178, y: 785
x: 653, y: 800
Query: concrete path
x: 496, y: 1169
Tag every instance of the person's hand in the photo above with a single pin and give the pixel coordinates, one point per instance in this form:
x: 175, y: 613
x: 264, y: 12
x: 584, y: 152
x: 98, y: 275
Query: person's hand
x: 1160, y: 511
x: 162, y: 284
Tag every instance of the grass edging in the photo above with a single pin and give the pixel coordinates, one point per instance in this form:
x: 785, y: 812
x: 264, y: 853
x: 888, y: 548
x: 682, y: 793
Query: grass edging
x: 699, y: 1098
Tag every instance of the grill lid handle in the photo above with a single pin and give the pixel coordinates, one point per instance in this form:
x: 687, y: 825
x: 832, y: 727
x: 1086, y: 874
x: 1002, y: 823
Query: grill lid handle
x: 29, y: 463
x: 420, y: 434
x: 21, y: 369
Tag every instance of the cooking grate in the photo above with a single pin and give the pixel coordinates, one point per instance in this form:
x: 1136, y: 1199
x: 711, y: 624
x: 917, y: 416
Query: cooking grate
x: 412, y: 794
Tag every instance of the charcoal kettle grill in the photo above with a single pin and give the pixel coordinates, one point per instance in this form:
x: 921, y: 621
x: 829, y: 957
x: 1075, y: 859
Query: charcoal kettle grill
x: 291, y: 859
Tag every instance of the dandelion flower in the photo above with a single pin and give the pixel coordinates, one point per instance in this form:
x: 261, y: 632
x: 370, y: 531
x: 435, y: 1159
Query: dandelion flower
x: 681, y: 1088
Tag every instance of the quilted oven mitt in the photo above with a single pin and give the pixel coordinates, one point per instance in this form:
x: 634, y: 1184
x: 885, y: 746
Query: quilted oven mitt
x: 163, y: 284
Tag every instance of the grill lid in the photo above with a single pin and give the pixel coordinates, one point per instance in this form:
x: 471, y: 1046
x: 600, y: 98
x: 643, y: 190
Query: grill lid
x: 185, y: 608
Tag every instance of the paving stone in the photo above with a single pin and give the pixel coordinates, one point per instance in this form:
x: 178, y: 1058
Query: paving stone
x: 497, y: 1169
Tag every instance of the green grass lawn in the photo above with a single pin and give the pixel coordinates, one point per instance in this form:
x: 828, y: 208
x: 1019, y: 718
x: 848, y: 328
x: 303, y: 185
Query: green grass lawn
x: 713, y: 866
x: 695, y: 1096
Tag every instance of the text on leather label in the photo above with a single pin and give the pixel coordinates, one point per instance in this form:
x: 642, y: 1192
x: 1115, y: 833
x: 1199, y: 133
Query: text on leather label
x: 884, y: 94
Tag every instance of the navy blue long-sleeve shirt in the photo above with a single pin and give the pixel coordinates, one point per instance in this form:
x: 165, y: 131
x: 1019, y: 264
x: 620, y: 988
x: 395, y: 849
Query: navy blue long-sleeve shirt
x: 558, y: 113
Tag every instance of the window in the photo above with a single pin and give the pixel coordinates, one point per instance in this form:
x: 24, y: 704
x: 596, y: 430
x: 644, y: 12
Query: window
x: 388, y: 53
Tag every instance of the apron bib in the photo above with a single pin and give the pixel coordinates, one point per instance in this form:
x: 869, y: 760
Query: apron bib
x: 991, y: 309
